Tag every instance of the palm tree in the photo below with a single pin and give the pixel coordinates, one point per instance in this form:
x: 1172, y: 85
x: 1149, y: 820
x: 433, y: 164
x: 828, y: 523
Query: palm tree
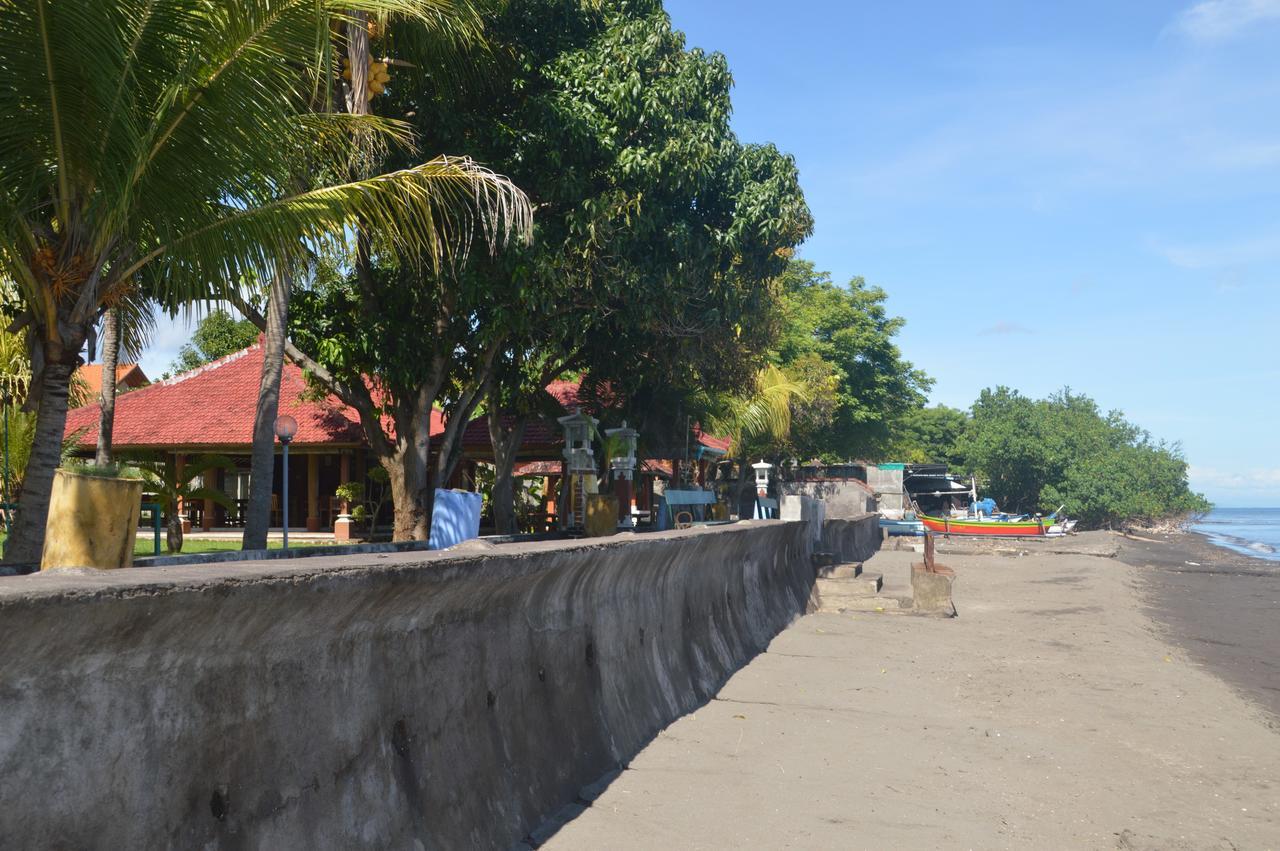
x: 762, y: 414
x: 155, y: 140
x: 126, y: 329
x: 173, y: 488
x: 444, y: 34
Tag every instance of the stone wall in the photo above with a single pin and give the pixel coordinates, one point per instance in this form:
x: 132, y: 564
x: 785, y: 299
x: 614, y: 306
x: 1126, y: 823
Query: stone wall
x: 846, y: 500
x: 402, y: 700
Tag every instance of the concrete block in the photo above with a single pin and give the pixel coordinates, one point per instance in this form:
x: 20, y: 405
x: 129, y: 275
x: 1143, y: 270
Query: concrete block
x: 841, y: 571
x: 931, y: 592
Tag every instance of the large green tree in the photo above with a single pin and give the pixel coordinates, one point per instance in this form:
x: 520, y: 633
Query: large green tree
x: 656, y: 238
x: 839, y: 340
x: 157, y: 140
x: 216, y: 335
x: 1038, y: 454
x: 928, y: 435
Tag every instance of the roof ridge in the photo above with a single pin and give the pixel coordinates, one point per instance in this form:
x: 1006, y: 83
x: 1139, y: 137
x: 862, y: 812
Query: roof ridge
x: 203, y: 368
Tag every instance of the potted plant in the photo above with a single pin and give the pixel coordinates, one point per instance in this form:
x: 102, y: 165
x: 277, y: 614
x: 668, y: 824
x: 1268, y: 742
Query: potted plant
x: 93, y: 517
x: 170, y: 489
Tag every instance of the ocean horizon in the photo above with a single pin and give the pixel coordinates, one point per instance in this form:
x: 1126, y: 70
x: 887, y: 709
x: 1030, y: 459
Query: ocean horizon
x: 1248, y: 531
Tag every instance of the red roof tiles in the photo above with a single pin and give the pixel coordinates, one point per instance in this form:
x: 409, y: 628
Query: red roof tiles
x: 214, y: 407
x: 127, y: 375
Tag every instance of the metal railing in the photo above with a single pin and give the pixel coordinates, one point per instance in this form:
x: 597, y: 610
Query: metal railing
x: 155, y: 509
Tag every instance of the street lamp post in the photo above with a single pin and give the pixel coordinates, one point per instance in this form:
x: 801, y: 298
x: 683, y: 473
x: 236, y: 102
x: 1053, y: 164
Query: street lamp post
x: 286, y: 427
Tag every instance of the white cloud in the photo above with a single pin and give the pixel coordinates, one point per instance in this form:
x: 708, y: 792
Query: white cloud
x: 1218, y: 20
x: 1240, y: 252
x: 1208, y: 478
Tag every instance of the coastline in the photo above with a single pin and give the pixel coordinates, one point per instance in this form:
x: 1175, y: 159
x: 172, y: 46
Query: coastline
x: 1221, y: 607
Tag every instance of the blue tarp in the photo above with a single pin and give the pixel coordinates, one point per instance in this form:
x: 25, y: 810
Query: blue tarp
x: 985, y: 506
x: 454, y: 519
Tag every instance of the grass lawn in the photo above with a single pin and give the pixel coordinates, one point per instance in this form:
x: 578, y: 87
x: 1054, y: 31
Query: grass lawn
x: 145, y: 545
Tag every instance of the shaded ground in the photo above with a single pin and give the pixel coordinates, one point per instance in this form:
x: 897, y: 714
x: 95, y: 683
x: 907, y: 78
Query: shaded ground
x: 1053, y: 713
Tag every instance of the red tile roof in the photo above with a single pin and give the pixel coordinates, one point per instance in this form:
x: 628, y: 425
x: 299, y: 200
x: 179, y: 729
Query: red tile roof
x: 214, y: 407
x: 127, y: 375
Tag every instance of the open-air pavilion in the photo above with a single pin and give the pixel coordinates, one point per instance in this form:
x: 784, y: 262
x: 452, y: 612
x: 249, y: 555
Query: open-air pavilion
x: 210, y: 411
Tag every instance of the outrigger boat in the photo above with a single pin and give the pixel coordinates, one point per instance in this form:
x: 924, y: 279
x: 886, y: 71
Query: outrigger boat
x: 1000, y: 525
x: 989, y: 526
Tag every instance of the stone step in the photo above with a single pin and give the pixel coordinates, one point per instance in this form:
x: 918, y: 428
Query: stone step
x: 841, y: 571
x: 868, y: 584
x: 876, y: 604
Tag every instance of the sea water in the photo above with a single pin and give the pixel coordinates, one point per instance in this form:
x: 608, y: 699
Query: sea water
x: 1250, y: 531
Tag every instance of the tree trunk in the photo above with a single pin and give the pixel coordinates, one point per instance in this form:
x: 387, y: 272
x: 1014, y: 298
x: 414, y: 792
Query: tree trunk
x: 407, y: 476
x: 173, y: 534
x: 506, y: 443
x: 262, y: 463
x: 110, y: 356
x: 740, y: 490
x: 26, y: 538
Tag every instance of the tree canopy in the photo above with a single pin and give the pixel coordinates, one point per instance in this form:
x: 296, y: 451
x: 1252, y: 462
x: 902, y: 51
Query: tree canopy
x: 656, y: 240
x: 216, y: 335
x: 1039, y: 454
x: 839, y: 340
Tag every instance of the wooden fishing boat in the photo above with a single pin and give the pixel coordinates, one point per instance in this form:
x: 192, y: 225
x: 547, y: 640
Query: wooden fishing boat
x: 988, y: 526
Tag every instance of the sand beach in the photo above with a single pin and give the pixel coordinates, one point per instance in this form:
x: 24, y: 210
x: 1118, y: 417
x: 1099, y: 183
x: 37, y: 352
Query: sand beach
x: 1094, y: 693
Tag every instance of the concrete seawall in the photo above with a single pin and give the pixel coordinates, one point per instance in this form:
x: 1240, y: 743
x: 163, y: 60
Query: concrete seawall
x: 852, y: 540
x: 428, y: 700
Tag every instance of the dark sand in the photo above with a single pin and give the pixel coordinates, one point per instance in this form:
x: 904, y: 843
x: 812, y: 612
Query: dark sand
x: 1223, y: 608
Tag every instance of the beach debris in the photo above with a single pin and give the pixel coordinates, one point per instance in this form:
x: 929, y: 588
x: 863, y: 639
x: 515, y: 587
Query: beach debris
x: 1194, y: 563
x: 743, y: 717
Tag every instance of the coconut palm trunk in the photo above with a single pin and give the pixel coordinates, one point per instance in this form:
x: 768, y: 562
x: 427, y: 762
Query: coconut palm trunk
x: 110, y: 357
x: 136, y: 124
x: 263, y: 460
x: 26, y: 539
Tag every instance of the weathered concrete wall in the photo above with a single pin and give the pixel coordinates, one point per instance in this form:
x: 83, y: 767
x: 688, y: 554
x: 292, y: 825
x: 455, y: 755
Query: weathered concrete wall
x: 402, y: 700
x: 845, y: 500
x: 856, y: 539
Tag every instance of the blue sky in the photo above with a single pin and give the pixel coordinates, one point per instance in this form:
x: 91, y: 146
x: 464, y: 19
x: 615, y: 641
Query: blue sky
x: 1052, y: 193
x: 1059, y: 193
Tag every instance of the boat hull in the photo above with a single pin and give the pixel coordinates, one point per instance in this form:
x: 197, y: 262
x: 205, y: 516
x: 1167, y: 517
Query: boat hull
x: 986, y: 528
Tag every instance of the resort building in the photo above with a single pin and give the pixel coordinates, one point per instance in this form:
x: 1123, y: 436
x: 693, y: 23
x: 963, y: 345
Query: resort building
x: 210, y: 411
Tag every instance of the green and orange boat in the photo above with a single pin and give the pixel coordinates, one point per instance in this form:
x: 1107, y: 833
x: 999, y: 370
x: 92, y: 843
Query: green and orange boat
x: 1035, y: 527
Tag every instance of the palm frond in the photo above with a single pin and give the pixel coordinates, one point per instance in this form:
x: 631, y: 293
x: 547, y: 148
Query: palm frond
x: 179, y: 136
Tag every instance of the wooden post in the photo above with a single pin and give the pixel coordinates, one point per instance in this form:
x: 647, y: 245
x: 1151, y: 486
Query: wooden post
x: 313, y: 493
x: 209, y: 504
x: 180, y: 467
